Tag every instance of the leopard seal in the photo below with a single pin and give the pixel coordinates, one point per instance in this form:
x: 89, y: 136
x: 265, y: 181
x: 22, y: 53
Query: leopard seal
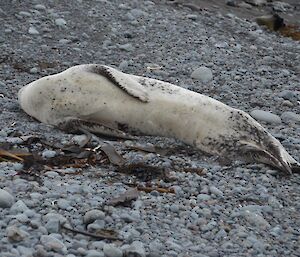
x: 102, y: 99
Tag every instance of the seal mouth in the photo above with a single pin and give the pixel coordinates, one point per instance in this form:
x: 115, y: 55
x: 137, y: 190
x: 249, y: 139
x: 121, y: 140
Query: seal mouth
x: 275, y: 156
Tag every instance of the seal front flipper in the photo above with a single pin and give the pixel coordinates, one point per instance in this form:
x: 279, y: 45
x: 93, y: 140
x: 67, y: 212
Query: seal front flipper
x: 73, y: 125
x: 122, y: 80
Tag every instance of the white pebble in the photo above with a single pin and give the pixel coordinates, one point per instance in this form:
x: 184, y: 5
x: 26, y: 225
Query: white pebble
x: 33, y: 31
x: 6, y: 199
x: 48, y: 154
x: 202, y: 73
x: 60, y: 22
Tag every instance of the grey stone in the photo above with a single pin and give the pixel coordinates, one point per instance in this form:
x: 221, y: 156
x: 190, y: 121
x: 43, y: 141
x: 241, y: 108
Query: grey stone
x: 48, y: 154
x: 33, y: 31
x: 290, y: 116
x: 63, y: 204
x: 203, y: 74
x: 18, y: 207
x: 54, y: 216
x: 136, y: 249
x: 52, y: 226
x: 53, y: 244
x: 15, y: 234
x: 112, y: 251
x: 93, y: 215
x: 60, y: 22
x: 216, y: 191
x: 94, y: 253
x: 33, y: 70
x: 256, y: 219
x: 265, y: 116
x: 127, y: 47
x: 6, y: 199
x: 289, y: 95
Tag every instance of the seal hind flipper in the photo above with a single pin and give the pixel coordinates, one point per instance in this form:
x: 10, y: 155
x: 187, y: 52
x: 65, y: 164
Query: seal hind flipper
x: 122, y: 80
x: 74, y: 125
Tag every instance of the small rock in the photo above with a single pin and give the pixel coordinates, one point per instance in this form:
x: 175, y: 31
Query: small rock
x: 52, y: 226
x: 123, y: 65
x: 290, y: 116
x: 127, y: 47
x: 53, y: 244
x: 79, y: 139
x: 18, y: 207
x: 54, y: 216
x: 203, y: 197
x: 33, y: 70
x: 16, y: 234
x: 256, y: 219
x: 289, y: 95
x: 63, y: 204
x: 60, y: 22
x: 6, y: 199
x: 221, y: 45
x: 265, y: 116
x: 136, y: 249
x: 192, y: 17
x: 25, y: 14
x: 33, y: 31
x: 93, y: 215
x: 137, y: 13
x: 202, y: 73
x: 256, y: 2
x: 48, y: 154
x: 94, y: 253
x: 40, y: 7
x: 281, y: 6
x: 216, y: 191
x: 174, y: 208
x: 111, y: 251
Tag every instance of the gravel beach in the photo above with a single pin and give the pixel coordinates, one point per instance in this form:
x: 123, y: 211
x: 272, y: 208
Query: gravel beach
x: 188, y: 204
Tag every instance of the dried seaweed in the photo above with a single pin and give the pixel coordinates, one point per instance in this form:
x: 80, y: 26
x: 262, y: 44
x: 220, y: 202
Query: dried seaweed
x: 100, y: 234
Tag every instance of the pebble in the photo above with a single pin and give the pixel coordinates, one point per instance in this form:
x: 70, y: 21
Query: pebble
x: 6, y: 199
x: 265, y: 116
x: 16, y: 234
x: 60, y: 22
x: 290, y: 116
x: 136, y: 249
x: 33, y: 31
x: 64, y: 204
x: 40, y: 7
x: 18, y: 207
x: 203, y: 74
x: 79, y: 139
x: 48, y: 154
x: 92, y: 215
x: 216, y: 191
x: 52, y: 226
x: 289, y: 95
x: 53, y: 244
x: 221, y: 45
x: 112, y: 251
x: 127, y: 47
x: 256, y: 219
x: 94, y: 253
x: 33, y: 70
